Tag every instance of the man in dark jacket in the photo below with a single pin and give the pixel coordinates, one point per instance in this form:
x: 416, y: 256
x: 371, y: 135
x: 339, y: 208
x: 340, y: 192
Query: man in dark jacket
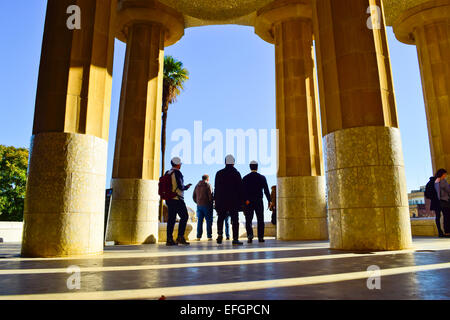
x: 176, y: 205
x: 228, y: 198
x: 432, y: 192
x: 254, y: 185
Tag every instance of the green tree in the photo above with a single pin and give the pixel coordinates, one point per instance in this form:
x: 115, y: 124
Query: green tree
x: 13, y: 180
x: 174, y: 78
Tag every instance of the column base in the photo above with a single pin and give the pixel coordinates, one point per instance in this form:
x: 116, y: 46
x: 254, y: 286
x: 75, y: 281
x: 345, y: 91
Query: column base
x: 134, y: 212
x: 301, y: 209
x: 367, y: 198
x: 65, y: 201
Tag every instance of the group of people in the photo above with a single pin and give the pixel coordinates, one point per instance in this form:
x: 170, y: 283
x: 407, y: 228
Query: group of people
x: 231, y: 194
x: 437, y: 191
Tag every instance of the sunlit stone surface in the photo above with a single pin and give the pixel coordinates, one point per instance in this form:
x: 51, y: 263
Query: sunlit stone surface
x: 63, y: 215
x: 366, y: 185
x: 209, y: 12
x: 367, y: 203
x: 270, y: 271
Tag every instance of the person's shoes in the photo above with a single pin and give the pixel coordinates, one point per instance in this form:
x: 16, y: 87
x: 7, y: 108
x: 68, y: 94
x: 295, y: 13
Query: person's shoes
x: 198, y: 239
x: 249, y: 240
x: 441, y: 235
x: 209, y: 239
x: 182, y: 241
x: 262, y: 240
x: 170, y: 243
x: 219, y: 239
x: 228, y: 238
x: 237, y: 243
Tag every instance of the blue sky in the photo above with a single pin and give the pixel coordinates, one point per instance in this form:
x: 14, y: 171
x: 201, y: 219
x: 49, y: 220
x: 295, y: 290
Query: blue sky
x: 231, y: 86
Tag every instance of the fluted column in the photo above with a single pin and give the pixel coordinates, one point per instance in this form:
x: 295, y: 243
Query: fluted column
x: 135, y: 200
x: 301, y: 212
x: 367, y: 197
x: 64, y: 205
x: 428, y: 27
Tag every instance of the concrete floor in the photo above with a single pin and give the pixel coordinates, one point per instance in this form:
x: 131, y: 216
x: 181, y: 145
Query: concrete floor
x: 270, y: 271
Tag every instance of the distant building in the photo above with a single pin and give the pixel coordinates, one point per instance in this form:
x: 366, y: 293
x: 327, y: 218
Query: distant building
x: 418, y: 205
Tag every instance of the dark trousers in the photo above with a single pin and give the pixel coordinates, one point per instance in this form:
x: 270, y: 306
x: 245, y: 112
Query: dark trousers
x: 258, y: 208
x: 274, y: 216
x: 176, y: 207
x: 438, y: 220
x: 446, y: 214
x: 234, y: 222
x: 227, y: 226
x: 206, y: 213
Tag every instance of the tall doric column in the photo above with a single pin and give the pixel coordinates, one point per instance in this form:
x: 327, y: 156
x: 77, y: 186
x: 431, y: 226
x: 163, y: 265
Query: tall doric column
x: 301, y: 212
x: 147, y: 27
x: 367, y: 197
x: 64, y: 205
x: 428, y: 27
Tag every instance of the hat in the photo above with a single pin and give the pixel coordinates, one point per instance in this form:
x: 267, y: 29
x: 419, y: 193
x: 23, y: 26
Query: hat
x: 176, y: 161
x: 229, y: 159
x: 254, y: 162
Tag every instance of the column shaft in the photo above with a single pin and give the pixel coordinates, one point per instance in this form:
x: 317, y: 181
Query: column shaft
x: 301, y: 184
x: 433, y: 46
x: 64, y: 206
x: 367, y: 198
x: 134, y: 211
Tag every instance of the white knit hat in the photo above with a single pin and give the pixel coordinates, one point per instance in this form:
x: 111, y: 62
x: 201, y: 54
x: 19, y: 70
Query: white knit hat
x: 254, y: 162
x: 229, y: 159
x: 176, y: 161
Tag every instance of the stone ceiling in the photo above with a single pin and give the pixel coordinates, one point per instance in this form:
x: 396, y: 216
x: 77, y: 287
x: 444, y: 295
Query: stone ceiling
x: 243, y: 12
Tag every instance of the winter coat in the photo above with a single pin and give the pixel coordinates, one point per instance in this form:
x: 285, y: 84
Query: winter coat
x: 444, y: 190
x: 254, y: 184
x: 430, y: 193
x: 228, y: 193
x: 203, y: 194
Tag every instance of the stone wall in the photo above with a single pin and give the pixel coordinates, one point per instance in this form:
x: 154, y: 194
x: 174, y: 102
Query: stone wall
x: 11, y: 231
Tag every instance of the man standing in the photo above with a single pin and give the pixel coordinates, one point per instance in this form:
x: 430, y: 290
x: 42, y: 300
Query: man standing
x: 433, y: 192
x: 254, y: 184
x: 273, y: 204
x: 203, y: 198
x: 228, y: 198
x: 176, y: 204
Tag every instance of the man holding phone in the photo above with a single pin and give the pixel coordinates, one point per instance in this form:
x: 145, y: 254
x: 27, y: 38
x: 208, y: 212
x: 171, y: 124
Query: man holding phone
x: 176, y: 205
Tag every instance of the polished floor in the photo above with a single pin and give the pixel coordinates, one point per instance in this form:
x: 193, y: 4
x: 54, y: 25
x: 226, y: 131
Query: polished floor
x: 269, y: 271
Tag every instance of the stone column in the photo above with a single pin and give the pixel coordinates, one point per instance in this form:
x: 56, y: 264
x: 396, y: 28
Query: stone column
x: 64, y: 205
x: 135, y: 200
x: 428, y: 27
x: 301, y: 212
x: 367, y: 197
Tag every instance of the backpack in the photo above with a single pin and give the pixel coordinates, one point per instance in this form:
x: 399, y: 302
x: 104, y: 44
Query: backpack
x: 165, y: 187
x: 429, y: 190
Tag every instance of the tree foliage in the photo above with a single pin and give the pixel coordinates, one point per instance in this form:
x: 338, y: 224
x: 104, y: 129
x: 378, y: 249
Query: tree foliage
x: 175, y: 75
x: 13, y: 179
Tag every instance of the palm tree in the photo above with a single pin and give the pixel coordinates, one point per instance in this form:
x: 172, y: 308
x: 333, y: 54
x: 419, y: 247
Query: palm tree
x: 174, y: 77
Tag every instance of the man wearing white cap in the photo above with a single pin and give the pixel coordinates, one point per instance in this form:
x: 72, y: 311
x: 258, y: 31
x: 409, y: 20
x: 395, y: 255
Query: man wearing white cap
x: 176, y: 205
x: 228, y: 198
x: 254, y: 184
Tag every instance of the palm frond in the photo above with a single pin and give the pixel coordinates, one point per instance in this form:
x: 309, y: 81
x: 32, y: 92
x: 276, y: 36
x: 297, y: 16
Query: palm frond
x: 174, y: 77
